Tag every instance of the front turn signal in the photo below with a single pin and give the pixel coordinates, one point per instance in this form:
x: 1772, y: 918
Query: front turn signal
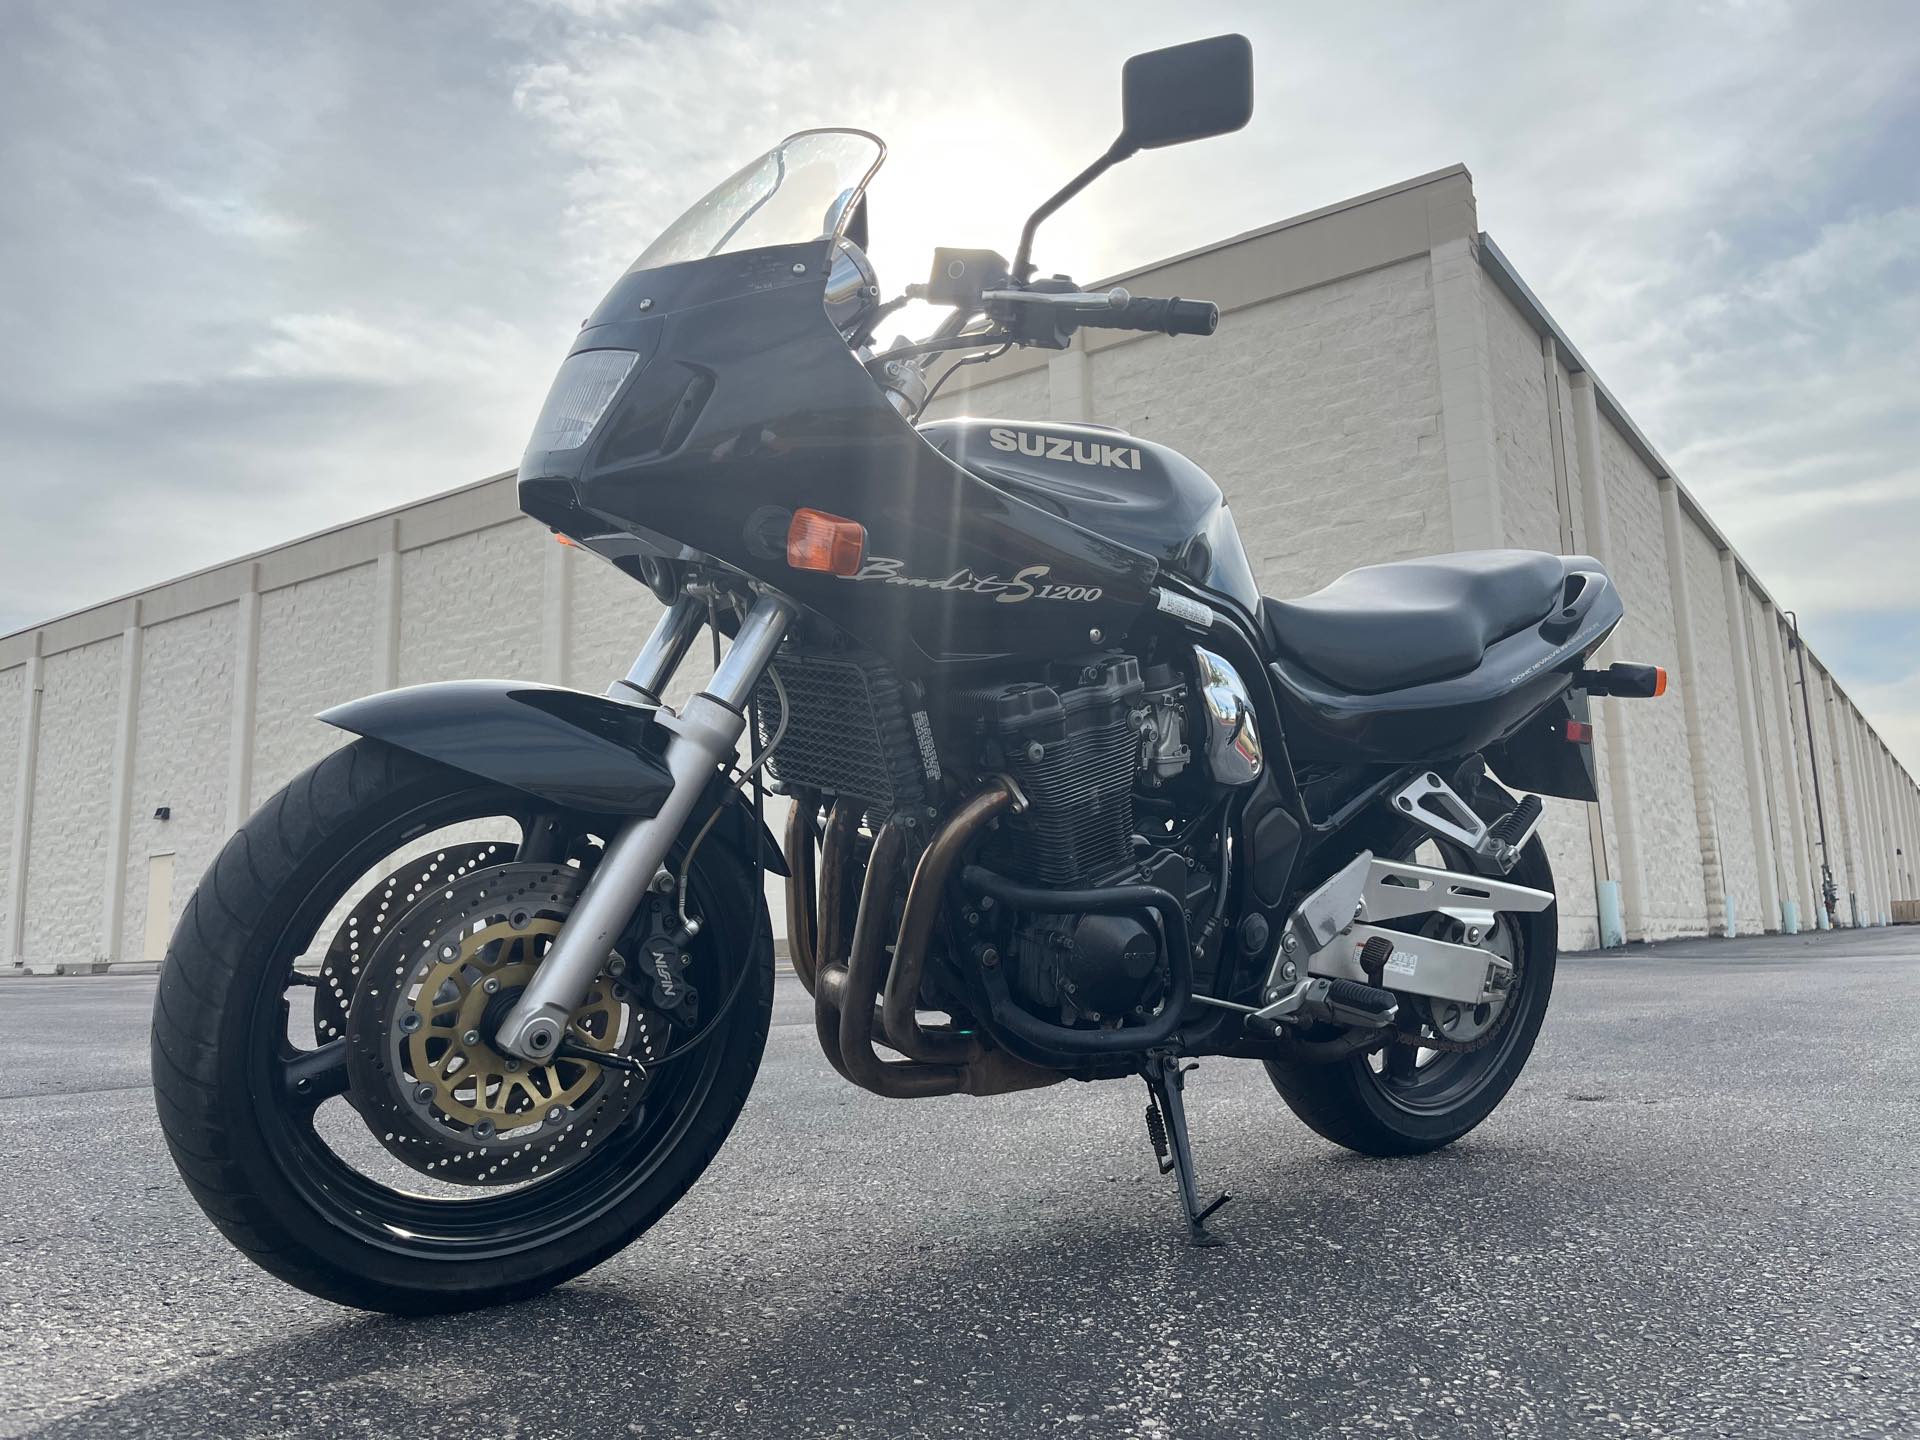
x: 826, y: 543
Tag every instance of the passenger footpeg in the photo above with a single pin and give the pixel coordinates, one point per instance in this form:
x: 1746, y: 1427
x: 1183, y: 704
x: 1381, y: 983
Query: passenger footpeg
x: 1516, y: 827
x: 1429, y: 801
x: 1167, y: 1129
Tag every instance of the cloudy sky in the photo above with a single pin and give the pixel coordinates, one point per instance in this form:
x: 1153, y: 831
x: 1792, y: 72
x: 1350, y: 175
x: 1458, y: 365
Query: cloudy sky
x: 265, y: 267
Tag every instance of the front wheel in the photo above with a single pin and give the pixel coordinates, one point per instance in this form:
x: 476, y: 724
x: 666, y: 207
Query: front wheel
x: 321, y: 1040
x: 1407, y: 1097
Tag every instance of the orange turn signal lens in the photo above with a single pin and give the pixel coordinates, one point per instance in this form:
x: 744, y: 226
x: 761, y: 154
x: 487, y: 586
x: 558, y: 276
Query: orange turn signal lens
x: 827, y: 543
x: 1659, y: 681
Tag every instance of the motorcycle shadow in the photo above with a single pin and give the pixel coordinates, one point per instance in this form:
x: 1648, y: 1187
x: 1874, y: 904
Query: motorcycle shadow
x: 1083, y: 1302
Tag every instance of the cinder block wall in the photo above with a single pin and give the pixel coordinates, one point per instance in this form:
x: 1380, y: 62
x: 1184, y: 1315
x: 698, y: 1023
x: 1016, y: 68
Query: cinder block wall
x: 1382, y: 386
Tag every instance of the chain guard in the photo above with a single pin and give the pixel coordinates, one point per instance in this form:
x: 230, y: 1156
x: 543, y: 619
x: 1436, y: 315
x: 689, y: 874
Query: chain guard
x: 1479, y: 1035
x: 423, y: 1072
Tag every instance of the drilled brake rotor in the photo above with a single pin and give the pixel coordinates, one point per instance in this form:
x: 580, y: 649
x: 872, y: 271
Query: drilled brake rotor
x: 382, y: 906
x: 423, y: 1070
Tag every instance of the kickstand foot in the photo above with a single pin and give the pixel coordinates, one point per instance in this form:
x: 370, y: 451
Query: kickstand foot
x: 1167, y: 1128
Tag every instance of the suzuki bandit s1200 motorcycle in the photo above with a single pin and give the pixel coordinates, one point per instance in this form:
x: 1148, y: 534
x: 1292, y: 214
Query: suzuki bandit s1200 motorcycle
x: 473, y: 1001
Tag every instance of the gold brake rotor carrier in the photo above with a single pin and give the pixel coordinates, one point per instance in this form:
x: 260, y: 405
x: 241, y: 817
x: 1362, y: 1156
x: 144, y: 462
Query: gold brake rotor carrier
x: 420, y: 1059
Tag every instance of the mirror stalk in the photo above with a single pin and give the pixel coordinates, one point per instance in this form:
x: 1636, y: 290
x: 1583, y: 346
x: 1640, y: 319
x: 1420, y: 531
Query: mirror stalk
x: 1121, y: 149
x: 1167, y: 97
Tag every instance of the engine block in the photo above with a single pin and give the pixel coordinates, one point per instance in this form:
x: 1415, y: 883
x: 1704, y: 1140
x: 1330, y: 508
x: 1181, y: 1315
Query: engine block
x: 1073, y: 746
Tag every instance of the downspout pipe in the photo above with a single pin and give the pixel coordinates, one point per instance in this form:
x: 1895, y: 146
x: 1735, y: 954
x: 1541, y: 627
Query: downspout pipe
x: 1828, y: 894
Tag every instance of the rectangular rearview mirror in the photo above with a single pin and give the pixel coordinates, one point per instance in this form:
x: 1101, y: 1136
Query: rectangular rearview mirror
x: 1186, y: 92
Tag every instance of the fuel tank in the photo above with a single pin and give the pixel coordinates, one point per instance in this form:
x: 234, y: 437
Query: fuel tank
x: 1131, y: 491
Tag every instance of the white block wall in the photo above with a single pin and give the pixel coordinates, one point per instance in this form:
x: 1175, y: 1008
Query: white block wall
x: 1381, y: 387
x: 315, y: 651
x: 180, y: 758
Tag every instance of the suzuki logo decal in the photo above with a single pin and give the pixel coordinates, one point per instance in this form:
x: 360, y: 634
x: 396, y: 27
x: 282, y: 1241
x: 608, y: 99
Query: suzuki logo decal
x: 1059, y: 447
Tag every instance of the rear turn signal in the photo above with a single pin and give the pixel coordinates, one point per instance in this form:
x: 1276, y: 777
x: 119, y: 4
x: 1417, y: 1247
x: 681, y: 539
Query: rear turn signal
x: 826, y: 543
x: 1630, y: 682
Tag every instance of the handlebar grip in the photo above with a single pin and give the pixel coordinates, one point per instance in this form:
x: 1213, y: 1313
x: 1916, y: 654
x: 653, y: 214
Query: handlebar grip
x: 1171, y: 317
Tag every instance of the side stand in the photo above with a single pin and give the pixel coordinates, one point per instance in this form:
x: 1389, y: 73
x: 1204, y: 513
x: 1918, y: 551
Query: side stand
x: 1167, y: 1129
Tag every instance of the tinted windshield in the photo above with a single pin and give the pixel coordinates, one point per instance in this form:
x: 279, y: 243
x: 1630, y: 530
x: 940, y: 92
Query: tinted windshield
x: 803, y: 189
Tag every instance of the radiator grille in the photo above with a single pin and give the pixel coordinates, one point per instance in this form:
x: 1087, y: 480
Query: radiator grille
x: 848, y: 734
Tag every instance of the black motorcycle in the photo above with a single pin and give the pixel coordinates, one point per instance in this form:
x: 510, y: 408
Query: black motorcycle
x: 468, y: 1005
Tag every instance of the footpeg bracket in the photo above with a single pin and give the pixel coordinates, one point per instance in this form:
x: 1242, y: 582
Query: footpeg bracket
x: 1325, y: 936
x: 1436, y: 806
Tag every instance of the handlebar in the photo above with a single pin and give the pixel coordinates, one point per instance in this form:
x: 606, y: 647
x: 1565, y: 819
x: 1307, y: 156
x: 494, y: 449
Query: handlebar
x: 1115, y: 310
x: 1172, y: 317
x: 1046, y: 315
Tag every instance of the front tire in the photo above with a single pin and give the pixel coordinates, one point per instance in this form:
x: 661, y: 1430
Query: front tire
x: 1354, y: 1102
x: 226, y: 1085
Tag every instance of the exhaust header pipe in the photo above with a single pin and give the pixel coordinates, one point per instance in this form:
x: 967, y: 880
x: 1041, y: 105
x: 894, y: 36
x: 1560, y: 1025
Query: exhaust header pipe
x: 846, y: 991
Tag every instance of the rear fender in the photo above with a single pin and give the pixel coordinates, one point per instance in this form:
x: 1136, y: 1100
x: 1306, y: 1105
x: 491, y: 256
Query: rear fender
x: 578, y: 751
x: 1541, y: 757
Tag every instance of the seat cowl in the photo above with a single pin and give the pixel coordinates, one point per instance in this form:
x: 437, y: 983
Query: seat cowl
x: 1391, y: 626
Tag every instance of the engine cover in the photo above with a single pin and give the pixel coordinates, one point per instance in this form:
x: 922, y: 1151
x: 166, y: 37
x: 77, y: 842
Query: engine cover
x: 1106, y: 965
x: 1087, y: 966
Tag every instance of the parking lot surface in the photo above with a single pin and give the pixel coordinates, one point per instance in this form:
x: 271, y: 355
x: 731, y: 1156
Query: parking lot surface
x: 1698, y: 1214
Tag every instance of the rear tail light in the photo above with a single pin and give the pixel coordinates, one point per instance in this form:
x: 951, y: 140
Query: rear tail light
x: 826, y: 543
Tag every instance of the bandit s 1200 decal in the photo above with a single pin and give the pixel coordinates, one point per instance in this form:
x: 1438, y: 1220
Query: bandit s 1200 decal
x: 1030, y: 583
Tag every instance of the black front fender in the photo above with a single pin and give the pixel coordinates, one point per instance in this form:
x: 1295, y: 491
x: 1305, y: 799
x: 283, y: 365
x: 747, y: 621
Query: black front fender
x: 579, y: 751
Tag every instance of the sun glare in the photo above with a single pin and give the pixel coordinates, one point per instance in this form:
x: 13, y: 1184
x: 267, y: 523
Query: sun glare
x: 971, y: 182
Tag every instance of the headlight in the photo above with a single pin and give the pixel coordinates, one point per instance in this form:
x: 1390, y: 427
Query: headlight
x: 853, y: 290
x: 581, y: 392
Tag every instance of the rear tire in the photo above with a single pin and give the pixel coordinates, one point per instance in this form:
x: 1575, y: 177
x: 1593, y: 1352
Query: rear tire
x: 221, y: 988
x: 1345, y: 1100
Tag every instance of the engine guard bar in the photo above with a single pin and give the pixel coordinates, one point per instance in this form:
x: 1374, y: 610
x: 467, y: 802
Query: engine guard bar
x: 1060, y: 1040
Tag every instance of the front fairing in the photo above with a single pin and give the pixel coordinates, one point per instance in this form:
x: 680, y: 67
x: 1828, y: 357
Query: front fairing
x: 746, y: 403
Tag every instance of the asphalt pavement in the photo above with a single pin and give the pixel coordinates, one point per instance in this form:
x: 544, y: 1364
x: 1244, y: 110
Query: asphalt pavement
x: 1698, y: 1214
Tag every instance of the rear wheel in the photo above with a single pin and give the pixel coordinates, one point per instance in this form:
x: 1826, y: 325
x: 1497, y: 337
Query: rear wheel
x: 1407, y: 1097
x: 321, y: 1040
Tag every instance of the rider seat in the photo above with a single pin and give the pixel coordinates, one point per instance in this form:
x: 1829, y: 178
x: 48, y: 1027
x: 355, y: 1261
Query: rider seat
x: 1389, y: 627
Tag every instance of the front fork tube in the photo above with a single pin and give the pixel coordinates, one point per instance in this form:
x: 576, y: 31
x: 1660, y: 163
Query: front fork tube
x: 646, y: 682
x: 706, y: 733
